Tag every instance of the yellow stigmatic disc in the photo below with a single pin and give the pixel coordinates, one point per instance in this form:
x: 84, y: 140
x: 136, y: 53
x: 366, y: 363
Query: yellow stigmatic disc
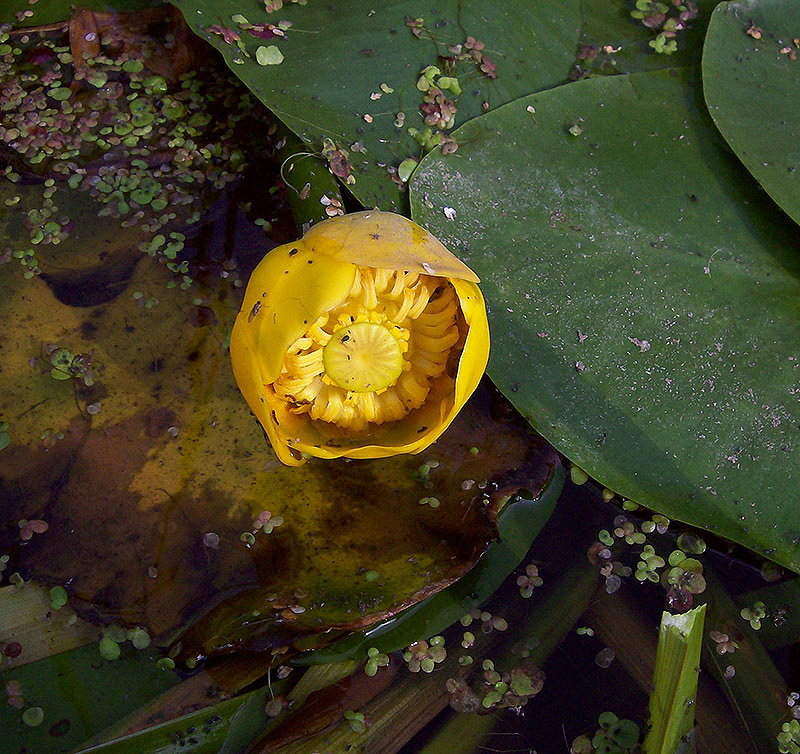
x: 363, y: 357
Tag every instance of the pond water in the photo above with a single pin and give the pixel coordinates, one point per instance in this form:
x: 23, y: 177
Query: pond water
x: 148, y: 525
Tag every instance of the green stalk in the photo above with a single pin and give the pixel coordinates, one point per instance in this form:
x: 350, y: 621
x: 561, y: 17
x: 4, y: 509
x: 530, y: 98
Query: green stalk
x: 207, y: 728
x: 622, y: 622
x: 311, y: 187
x: 319, y: 677
x: 757, y: 691
x: 680, y: 641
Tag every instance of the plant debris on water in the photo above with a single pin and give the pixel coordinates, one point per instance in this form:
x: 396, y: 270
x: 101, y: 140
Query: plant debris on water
x: 120, y: 108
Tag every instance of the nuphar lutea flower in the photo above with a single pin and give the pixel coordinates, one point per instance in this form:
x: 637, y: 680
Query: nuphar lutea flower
x: 363, y: 339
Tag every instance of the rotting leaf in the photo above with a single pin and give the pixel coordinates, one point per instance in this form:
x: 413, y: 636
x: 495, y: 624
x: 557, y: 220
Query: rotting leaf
x: 403, y: 551
x: 520, y: 522
x: 175, y: 456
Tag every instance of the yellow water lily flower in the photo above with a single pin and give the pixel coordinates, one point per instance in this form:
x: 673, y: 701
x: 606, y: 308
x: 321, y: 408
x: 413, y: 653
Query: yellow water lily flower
x: 363, y: 339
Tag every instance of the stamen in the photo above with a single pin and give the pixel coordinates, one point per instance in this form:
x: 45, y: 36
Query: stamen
x: 373, y: 358
x: 422, y: 296
x: 440, y: 344
x: 370, y: 296
x: 383, y: 278
x: 399, y: 286
x: 316, y: 331
x: 305, y: 363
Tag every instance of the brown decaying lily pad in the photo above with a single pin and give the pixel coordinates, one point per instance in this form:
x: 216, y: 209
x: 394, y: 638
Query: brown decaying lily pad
x: 147, y: 498
x: 149, y: 475
x: 130, y: 32
x: 357, y: 544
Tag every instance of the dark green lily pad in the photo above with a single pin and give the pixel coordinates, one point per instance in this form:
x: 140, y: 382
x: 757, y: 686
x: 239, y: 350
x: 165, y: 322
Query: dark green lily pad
x: 644, y: 297
x: 53, y: 11
x: 348, y: 69
x: 751, y: 82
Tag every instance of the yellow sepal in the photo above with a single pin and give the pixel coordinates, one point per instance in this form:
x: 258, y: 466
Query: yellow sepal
x: 287, y: 291
x: 383, y: 239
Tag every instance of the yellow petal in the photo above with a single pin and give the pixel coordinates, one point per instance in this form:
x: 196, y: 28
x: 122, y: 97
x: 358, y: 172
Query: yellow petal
x: 386, y: 240
x: 476, y: 348
x: 289, y: 289
x: 296, y: 283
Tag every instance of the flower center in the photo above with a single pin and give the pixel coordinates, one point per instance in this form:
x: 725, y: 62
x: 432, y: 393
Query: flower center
x: 375, y: 357
x: 363, y: 357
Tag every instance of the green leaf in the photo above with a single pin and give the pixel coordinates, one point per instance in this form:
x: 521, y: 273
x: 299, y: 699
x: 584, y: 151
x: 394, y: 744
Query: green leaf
x: 751, y: 82
x: 644, y: 297
x: 202, y: 732
x: 352, y: 67
x: 53, y: 11
x: 80, y: 694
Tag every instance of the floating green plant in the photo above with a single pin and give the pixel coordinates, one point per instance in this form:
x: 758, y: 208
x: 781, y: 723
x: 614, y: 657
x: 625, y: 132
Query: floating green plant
x: 149, y: 149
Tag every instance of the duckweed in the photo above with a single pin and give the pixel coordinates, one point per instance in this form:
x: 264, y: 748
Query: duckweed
x: 109, y: 649
x: 67, y: 130
x: 33, y: 716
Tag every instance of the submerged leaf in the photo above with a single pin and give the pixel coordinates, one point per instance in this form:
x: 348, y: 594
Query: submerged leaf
x: 390, y: 551
x: 170, y: 501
